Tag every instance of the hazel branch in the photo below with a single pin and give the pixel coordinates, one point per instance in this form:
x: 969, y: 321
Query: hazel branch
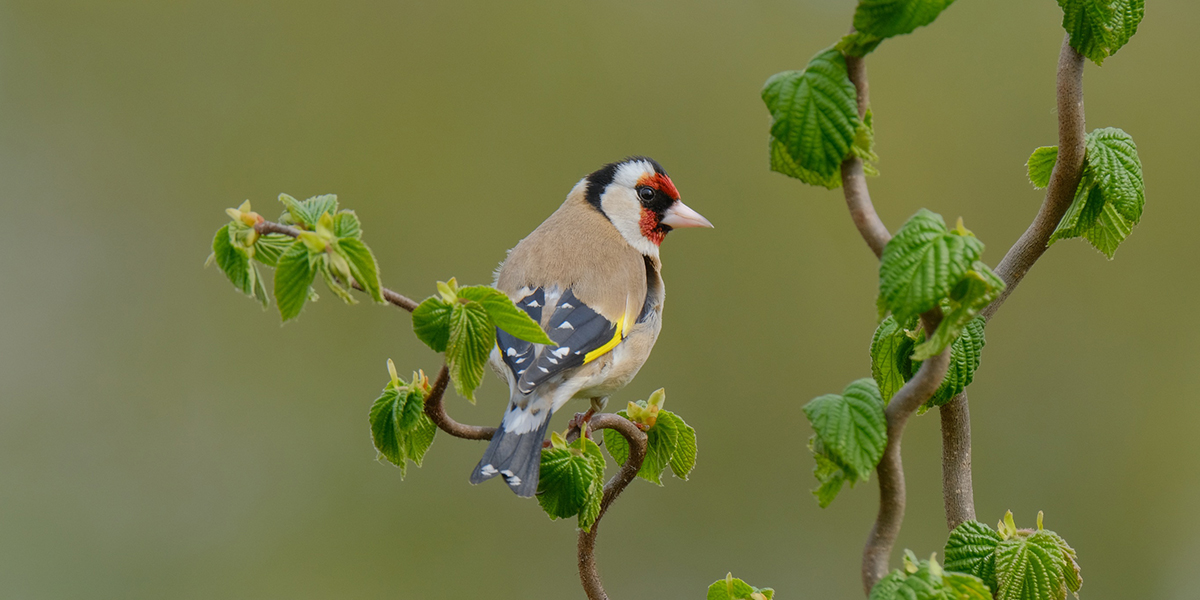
x: 588, y: 575
x: 437, y: 412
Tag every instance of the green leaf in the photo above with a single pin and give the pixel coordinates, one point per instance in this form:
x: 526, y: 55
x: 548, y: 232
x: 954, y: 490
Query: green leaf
x: 307, y: 213
x: 926, y: 580
x: 732, y: 588
x: 814, y: 118
x: 571, y: 481
x: 363, y: 267
x: 268, y: 248
x: 505, y: 314
x: 293, y: 277
x: 346, y: 225
x: 888, y: 18
x: 858, y: 44
x: 971, y: 549
x: 965, y: 355
x: 683, y: 458
x: 851, y: 428
x: 232, y: 261
x: 891, y: 351
x: 828, y: 474
x: 974, y: 292
x: 333, y: 283
x: 472, y: 337
x: 670, y: 442
x: 400, y: 428
x: 923, y: 263
x: 1041, y: 164
x: 1098, y: 28
x: 431, y: 323
x: 1111, y: 194
x: 1036, y: 566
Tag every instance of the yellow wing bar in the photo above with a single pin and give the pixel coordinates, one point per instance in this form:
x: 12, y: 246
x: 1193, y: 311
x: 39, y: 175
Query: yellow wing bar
x: 616, y: 339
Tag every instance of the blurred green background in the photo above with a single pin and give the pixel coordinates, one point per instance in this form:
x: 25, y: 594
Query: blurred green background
x: 162, y: 437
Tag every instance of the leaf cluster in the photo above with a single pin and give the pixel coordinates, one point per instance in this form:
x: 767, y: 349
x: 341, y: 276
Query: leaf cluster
x: 732, y: 588
x: 926, y: 580
x: 877, y: 20
x: 1017, y: 564
x: 926, y: 266
x: 849, y: 436
x: 1111, y: 195
x: 462, y: 323
x: 400, y: 429
x: 330, y: 244
x: 892, y: 365
x: 670, y: 441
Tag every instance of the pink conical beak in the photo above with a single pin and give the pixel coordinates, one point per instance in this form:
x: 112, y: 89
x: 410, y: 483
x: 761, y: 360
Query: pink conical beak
x: 680, y: 215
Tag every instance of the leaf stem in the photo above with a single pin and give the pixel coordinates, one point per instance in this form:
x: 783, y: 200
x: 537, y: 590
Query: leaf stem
x: 854, y: 180
x: 395, y: 298
x: 588, y: 575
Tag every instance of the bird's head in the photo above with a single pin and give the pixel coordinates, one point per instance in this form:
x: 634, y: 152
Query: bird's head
x: 639, y: 199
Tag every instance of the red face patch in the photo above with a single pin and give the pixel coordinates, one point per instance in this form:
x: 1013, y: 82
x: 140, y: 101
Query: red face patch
x: 661, y: 183
x: 650, y: 227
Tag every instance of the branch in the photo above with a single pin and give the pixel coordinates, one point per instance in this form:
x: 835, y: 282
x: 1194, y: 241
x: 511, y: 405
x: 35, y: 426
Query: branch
x: 916, y: 392
x: 1064, y: 180
x: 854, y: 181
x: 588, y: 575
x: 397, y: 299
x: 437, y: 412
x: 957, y: 493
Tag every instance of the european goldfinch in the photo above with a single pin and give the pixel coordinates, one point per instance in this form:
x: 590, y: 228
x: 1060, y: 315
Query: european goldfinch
x: 590, y: 275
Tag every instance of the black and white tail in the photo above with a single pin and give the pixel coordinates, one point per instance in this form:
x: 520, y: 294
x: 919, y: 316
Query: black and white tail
x: 516, y: 456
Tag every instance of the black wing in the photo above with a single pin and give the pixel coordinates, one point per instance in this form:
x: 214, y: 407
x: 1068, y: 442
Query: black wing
x: 574, y: 326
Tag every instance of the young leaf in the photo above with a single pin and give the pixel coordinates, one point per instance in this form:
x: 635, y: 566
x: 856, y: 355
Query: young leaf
x: 965, y: 355
x: 431, y: 323
x: 472, y: 337
x: 1037, y: 566
x: 1040, y: 165
x: 828, y: 474
x: 891, y: 351
x: 732, y: 588
x: 306, y: 214
x: 268, y: 248
x: 851, y: 428
x: 505, y: 314
x: 1111, y: 195
x: 858, y: 44
x: 923, y: 263
x: 569, y: 480
x: 293, y: 277
x: 362, y: 265
x: 926, y: 580
x: 782, y: 162
x: 400, y: 428
x: 971, y: 548
x: 815, y: 117
x: 1098, y: 28
x: 970, y: 296
x: 888, y: 18
x: 346, y: 225
x: 232, y: 261
x: 683, y: 458
x: 591, y: 509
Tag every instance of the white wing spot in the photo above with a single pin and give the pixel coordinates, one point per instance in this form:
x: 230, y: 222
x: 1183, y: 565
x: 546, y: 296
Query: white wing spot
x: 510, y: 477
x: 560, y: 352
x: 567, y: 305
x: 511, y: 351
x: 543, y: 369
x: 566, y: 325
x: 533, y: 303
x: 488, y: 470
x: 521, y: 360
x: 553, y: 361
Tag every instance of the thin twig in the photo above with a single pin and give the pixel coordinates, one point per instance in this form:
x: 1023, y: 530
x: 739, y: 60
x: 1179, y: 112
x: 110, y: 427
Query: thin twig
x: 395, y: 298
x: 890, y: 471
x: 957, y: 493
x: 437, y: 412
x: 588, y: 575
x: 854, y: 180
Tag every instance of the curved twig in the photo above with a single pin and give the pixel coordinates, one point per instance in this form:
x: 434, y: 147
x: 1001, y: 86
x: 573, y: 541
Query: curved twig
x: 854, y: 180
x: 588, y: 575
x: 890, y: 471
x: 957, y: 493
x: 437, y: 412
x: 395, y: 298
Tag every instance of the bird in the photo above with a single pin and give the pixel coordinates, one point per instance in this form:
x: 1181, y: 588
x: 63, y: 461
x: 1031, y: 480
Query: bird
x: 590, y: 276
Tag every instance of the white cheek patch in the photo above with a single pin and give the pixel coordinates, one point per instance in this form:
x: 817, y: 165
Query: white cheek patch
x: 621, y: 206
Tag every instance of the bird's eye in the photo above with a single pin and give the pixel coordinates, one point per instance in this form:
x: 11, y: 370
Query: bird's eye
x: 646, y: 194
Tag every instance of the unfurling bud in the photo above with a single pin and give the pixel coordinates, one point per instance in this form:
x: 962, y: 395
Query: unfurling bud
x: 391, y: 367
